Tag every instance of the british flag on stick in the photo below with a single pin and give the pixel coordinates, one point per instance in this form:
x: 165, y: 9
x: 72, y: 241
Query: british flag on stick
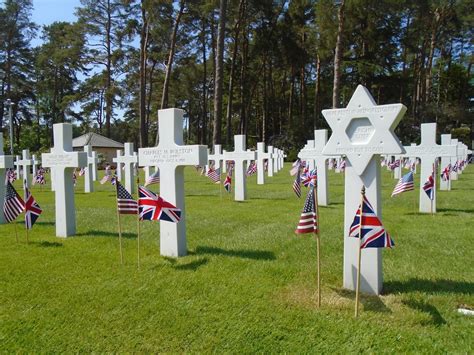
x: 153, y: 207
x: 32, y: 209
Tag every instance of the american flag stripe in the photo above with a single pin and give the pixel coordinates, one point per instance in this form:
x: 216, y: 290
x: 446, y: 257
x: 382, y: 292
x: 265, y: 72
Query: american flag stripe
x: 13, y: 204
x: 406, y: 183
x: 125, y: 202
x: 308, y: 220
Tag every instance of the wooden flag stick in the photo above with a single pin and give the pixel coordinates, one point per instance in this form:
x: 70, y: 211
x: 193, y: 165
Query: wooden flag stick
x: 119, y: 226
x: 138, y: 224
x: 318, y: 241
x: 16, y: 232
x: 360, y: 252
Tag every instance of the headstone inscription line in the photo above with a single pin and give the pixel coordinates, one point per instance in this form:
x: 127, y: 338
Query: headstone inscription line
x: 25, y: 163
x: 240, y: 155
x: 88, y: 181
x: 261, y: 158
x: 128, y: 159
x: 6, y: 162
x: 445, y: 184
x: 62, y: 161
x: 362, y: 132
x: 428, y: 151
x: 319, y: 159
x: 171, y: 156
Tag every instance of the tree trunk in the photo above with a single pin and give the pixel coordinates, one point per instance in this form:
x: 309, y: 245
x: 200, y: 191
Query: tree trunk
x: 109, y: 95
x: 338, y: 57
x: 204, y: 81
x: 164, y: 97
x: 143, y: 62
x: 243, y: 83
x: 317, y: 88
x: 429, y: 66
x: 216, y: 136
x: 231, y: 74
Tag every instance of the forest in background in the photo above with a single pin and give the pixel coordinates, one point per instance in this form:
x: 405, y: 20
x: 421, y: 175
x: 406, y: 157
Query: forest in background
x: 257, y: 67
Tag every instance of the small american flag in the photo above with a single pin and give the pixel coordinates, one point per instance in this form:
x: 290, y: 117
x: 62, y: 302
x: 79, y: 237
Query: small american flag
x: 214, y: 175
x: 296, y: 167
x: 342, y: 167
x: 13, y: 205
x: 297, y: 184
x: 32, y: 209
x: 455, y: 167
x: 406, y: 183
x: 125, y: 202
x: 308, y: 220
x: 153, y: 178
x: 105, y: 179
x: 370, y: 228
x: 82, y: 171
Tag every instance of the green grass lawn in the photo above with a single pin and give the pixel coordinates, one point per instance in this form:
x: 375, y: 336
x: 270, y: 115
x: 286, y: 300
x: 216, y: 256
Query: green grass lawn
x: 248, y: 283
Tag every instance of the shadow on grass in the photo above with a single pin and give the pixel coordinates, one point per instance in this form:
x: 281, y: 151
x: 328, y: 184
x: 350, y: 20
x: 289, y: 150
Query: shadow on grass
x: 44, y: 223
x: 436, y: 317
x: 46, y: 244
x: 370, y: 302
x: 190, y: 266
x: 246, y: 254
x: 96, y: 233
x: 428, y: 286
x: 463, y: 210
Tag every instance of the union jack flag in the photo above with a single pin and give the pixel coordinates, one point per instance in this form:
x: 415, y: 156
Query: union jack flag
x: 74, y: 177
x: 252, y: 169
x: 82, y: 171
x: 342, y: 167
x: 394, y: 165
x: 13, y: 205
x: 406, y: 183
x: 455, y: 167
x: 153, y: 207
x: 153, y: 178
x: 372, y: 232
x: 308, y: 220
x: 308, y: 178
x: 11, y: 175
x: 428, y: 186
x: 445, y: 173
x: 214, y: 174
x: 32, y: 209
x: 228, y: 179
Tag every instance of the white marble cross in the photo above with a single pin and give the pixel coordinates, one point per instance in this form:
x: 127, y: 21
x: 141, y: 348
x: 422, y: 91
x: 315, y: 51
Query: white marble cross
x: 282, y: 159
x: 397, y: 172
x: 95, y: 161
x: 18, y: 166
x: 445, y: 162
x: 35, y: 163
x: 63, y: 161
x: 217, y: 158
x: 270, y: 167
x: 171, y: 156
x: 128, y: 159
x: 261, y: 157
x: 362, y: 132
x: 454, y: 174
x: 88, y: 180
x: 461, y: 156
x: 306, y: 154
x: 25, y: 163
x: 428, y: 151
x: 275, y: 161
x: 240, y: 155
x: 319, y: 160
x: 117, y: 159
x: 6, y: 162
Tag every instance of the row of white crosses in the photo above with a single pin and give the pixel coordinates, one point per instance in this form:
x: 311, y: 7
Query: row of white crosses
x: 128, y: 159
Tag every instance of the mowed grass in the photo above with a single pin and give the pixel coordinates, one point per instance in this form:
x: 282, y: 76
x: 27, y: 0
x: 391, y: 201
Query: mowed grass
x: 248, y: 283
